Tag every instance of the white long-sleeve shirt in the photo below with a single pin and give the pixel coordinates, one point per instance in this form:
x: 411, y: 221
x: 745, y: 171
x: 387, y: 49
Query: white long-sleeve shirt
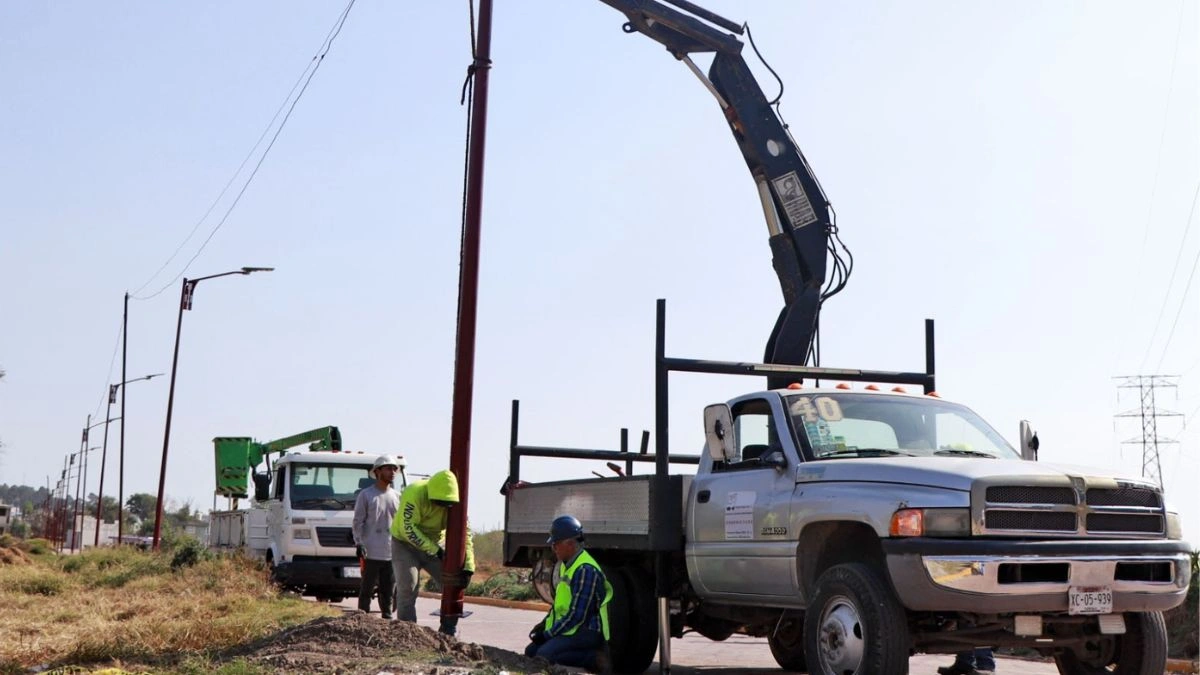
x: 373, y: 513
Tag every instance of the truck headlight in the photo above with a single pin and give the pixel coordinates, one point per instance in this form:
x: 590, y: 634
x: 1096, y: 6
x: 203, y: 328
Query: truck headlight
x: 1174, y: 526
x: 931, y: 523
x: 302, y: 533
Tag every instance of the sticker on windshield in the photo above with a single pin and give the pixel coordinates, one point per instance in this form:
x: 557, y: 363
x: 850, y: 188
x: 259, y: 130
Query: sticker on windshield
x: 821, y: 408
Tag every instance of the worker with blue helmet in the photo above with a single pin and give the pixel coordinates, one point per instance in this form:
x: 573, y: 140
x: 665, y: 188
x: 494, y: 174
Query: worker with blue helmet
x: 575, y: 631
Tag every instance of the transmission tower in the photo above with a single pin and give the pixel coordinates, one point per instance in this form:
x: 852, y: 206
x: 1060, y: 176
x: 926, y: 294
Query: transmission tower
x: 1146, y: 385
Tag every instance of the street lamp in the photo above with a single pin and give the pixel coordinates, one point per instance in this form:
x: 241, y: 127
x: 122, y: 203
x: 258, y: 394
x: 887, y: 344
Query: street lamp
x: 185, y: 302
x: 112, y: 398
x: 80, y: 487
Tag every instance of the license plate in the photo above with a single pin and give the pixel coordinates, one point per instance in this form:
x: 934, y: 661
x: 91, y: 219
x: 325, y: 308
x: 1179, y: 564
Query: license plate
x: 1089, y: 600
x: 351, y: 573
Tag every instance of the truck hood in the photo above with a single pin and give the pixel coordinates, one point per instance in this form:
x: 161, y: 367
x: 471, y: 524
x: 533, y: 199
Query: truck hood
x: 953, y: 473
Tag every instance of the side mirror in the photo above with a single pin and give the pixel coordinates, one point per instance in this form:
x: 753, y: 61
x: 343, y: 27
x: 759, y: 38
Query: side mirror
x: 1029, y: 442
x: 262, y: 487
x: 719, y: 435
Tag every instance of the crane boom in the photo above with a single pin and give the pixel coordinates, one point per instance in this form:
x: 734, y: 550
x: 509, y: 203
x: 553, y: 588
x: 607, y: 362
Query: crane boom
x: 797, y: 213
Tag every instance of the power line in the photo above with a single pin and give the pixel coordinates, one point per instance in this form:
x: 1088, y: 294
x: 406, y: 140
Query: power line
x: 1161, y: 141
x: 306, y: 76
x: 1171, y: 284
x: 1182, y: 304
x: 108, y: 377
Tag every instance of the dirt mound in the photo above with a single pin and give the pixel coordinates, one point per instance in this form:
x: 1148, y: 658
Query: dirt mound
x: 11, y: 555
x: 360, y: 643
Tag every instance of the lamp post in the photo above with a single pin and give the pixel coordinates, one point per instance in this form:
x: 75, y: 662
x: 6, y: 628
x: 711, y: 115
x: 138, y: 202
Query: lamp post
x: 80, y: 494
x: 112, y: 398
x: 185, y: 302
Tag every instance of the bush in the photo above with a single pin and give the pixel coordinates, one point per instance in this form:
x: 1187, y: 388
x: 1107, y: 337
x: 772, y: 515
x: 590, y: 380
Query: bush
x: 38, y: 584
x: 508, y: 585
x: 188, y: 552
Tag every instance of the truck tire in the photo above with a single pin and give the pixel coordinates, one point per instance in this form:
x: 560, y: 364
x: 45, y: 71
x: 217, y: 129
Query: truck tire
x: 787, y: 642
x: 624, y: 627
x: 643, y: 602
x: 854, y: 625
x: 1141, y: 650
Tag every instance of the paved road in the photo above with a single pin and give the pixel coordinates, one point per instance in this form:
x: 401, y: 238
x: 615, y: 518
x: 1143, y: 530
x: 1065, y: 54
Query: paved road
x: 508, y: 628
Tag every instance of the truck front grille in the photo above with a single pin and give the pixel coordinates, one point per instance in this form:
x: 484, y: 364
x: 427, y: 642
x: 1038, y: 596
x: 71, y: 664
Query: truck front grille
x: 1123, y: 497
x: 1030, y: 494
x: 1039, y: 521
x: 335, y: 536
x: 1068, y: 510
x: 1125, y: 522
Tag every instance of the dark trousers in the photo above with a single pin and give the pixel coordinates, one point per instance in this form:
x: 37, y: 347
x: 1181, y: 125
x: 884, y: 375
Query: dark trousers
x: 980, y: 659
x: 578, y: 650
x: 377, y: 573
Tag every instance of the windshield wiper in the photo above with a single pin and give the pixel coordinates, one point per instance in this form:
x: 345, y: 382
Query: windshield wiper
x: 313, y: 501
x: 965, y: 453
x: 863, y: 452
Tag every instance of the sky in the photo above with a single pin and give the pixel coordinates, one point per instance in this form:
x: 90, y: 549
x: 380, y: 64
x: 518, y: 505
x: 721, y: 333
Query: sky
x: 1024, y: 174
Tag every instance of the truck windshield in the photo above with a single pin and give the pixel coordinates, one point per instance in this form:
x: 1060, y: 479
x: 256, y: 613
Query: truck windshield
x: 873, y: 425
x: 326, y: 486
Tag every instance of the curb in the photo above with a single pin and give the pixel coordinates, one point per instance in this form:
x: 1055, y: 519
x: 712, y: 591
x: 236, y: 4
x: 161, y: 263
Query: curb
x: 494, y: 602
x: 1181, y: 666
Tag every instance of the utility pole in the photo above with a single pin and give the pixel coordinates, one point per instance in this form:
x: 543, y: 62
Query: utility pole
x: 1149, y: 413
x: 464, y: 356
x: 124, y: 416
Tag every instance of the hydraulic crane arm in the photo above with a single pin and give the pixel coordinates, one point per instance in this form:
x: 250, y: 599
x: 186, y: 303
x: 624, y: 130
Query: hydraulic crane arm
x: 237, y: 455
x: 796, y: 209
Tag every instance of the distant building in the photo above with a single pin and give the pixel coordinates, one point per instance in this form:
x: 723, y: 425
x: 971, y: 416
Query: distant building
x: 6, y: 518
x: 87, y: 527
x: 197, y: 528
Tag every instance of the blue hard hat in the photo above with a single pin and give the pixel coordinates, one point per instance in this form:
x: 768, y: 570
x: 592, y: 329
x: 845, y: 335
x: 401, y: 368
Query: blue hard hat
x: 565, y: 527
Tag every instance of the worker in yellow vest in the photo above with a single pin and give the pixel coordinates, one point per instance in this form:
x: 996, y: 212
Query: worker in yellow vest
x: 575, y: 631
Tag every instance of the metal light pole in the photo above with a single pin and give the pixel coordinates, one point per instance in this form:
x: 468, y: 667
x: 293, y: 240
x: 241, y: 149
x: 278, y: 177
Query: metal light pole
x: 185, y: 302
x: 80, y: 495
x: 112, y: 398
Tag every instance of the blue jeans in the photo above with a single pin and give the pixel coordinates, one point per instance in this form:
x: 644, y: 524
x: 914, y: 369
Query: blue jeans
x: 980, y: 659
x: 578, y: 650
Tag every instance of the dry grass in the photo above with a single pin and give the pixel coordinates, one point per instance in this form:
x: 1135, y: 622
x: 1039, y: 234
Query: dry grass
x: 124, y: 604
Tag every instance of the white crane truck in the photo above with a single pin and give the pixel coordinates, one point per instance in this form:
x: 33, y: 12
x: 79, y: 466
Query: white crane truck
x: 301, y: 517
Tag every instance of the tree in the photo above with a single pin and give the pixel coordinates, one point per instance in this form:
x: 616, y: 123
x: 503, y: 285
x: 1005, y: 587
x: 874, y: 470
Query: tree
x: 108, y: 507
x: 142, y: 505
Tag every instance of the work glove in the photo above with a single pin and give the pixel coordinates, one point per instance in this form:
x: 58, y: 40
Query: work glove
x: 441, y: 553
x: 538, y: 635
x: 360, y: 552
x: 460, y: 580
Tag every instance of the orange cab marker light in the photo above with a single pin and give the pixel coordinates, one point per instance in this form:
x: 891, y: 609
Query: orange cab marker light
x: 871, y: 387
x: 907, y: 523
x: 795, y: 385
x: 899, y: 390
x: 934, y: 394
x: 843, y: 385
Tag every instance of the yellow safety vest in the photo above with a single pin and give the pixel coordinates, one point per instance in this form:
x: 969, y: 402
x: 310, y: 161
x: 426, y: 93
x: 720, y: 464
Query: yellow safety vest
x: 562, y: 594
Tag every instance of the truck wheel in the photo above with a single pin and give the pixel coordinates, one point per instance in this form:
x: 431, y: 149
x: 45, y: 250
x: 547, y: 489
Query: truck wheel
x: 1142, y: 650
x: 787, y: 642
x: 624, y: 628
x: 855, y: 625
x: 643, y: 602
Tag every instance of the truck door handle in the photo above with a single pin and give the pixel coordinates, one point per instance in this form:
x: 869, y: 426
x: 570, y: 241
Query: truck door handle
x: 702, y: 496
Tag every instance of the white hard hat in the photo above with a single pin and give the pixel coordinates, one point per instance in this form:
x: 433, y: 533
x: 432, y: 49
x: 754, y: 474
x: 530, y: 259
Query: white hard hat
x: 386, y: 460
